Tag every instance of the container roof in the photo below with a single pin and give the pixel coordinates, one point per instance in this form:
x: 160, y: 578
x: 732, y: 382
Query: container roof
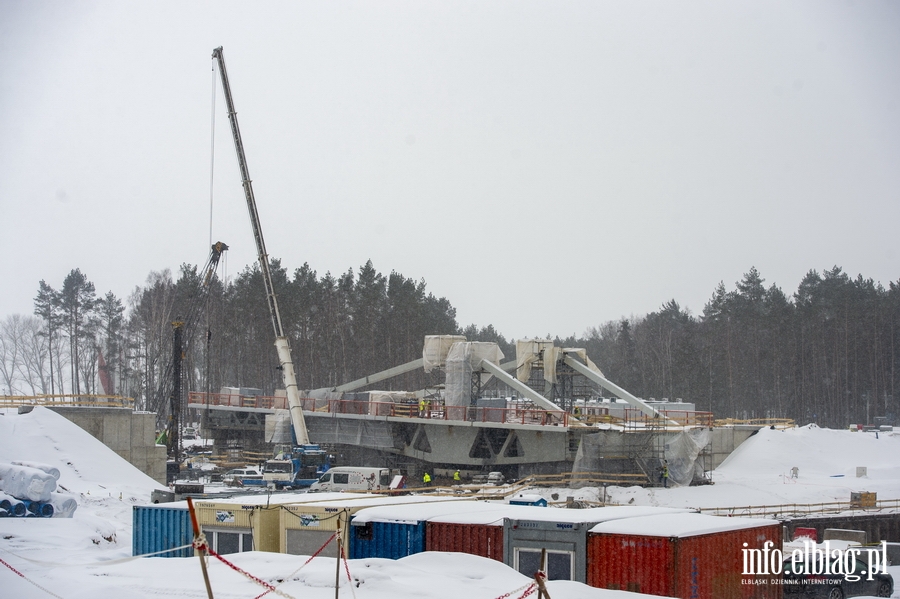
x: 401, y: 502
x: 282, y: 498
x: 493, y: 514
x: 679, y: 525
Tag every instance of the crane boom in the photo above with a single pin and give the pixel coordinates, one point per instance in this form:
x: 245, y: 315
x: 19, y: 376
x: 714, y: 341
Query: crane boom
x: 281, y: 342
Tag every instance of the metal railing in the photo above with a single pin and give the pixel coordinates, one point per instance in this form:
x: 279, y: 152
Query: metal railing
x: 429, y: 410
x: 802, y: 509
x: 67, y: 400
x: 670, y: 419
x: 778, y: 423
x: 570, y: 479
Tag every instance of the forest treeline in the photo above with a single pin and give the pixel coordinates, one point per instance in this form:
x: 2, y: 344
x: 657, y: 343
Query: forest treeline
x: 827, y: 353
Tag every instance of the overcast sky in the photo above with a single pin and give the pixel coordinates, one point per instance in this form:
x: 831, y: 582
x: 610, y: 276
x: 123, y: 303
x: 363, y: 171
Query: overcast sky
x: 546, y: 166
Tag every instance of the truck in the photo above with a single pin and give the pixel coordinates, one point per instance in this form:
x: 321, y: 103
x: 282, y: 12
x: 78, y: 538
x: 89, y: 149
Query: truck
x: 295, y: 467
x: 303, y: 462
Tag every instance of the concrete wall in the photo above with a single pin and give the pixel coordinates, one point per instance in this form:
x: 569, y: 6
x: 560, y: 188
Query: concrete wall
x: 130, y: 434
x: 725, y: 440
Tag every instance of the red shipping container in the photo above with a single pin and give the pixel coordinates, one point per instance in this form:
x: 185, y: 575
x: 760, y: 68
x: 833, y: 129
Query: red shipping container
x: 475, y: 539
x: 690, y: 556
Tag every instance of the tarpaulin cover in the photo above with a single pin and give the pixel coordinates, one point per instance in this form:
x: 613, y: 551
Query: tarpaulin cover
x: 278, y: 427
x: 436, y: 348
x: 26, y: 483
x: 322, y: 396
x: 528, y: 351
x: 681, y: 454
x: 367, y: 433
x: 462, y: 359
x: 51, y: 470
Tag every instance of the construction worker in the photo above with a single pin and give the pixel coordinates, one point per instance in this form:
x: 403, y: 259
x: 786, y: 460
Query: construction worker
x: 456, y: 477
x: 422, y: 408
x: 665, y: 474
x: 427, y: 479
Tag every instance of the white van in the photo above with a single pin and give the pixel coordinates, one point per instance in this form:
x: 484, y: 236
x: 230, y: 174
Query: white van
x: 349, y: 478
x: 240, y: 477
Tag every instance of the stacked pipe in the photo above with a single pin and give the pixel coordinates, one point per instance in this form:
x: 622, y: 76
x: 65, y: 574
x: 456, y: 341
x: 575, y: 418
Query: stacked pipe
x: 27, y: 490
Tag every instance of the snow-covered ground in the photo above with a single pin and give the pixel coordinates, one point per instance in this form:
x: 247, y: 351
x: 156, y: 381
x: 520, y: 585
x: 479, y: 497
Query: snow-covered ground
x: 89, y: 555
x: 758, y: 472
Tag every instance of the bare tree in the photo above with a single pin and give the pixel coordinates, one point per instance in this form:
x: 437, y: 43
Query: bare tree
x: 9, y: 353
x: 34, y: 352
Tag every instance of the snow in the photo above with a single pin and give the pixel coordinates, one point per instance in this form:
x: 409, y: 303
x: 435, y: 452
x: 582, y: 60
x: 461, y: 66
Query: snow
x: 89, y: 555
x: 679, y: 525
x: 758, y: 472
x: 260, y: 499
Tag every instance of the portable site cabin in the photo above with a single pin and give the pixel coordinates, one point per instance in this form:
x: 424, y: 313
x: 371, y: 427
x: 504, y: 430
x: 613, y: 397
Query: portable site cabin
x: 250, y: 522
x: 395, y: 531
x: 479, y: 532
x: 691, y: 556
x: 162, y: 526
x: 564, y: 534
x: 306, y: 529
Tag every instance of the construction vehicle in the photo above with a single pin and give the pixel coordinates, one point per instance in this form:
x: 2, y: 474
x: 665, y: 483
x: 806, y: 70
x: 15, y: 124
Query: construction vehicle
x: 170, y: 384
x: 303, y: 456
x: 295, y: 467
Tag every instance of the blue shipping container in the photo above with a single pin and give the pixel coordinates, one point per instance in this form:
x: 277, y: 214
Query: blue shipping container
x: 391, y: 540
x: 157, y: 528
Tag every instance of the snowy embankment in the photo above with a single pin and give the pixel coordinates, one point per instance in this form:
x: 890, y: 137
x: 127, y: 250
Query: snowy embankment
x: 758, y: 472
x: 81, y: 557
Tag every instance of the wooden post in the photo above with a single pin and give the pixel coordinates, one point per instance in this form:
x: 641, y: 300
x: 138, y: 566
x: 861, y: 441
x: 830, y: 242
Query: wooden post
x: 201, y: 552
x: 540, y: 576
x: 337, y: 570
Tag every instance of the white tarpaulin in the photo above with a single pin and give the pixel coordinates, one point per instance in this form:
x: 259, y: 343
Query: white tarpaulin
x: 529, y: 351
x: 26, y: 483
x: 436, y: 348
x: 462, y: 359
x: 278, y: 427
x: 682, y: 452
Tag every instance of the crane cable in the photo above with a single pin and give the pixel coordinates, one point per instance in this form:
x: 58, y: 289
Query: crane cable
x: 212, y: 148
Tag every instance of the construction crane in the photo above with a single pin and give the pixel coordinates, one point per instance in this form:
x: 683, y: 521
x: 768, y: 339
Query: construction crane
x: 286, y: 364
x: 171, y: 381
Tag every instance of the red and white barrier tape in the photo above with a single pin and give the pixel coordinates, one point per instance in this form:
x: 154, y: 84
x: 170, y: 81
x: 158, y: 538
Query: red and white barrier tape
x: 270, y: 588
x: 29, y: 580
x: 111, y: 562
x: 528, y: 588
x: 291, y: 575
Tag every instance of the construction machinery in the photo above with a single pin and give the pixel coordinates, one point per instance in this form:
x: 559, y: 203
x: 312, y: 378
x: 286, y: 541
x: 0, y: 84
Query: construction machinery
x: 172, y: 380
x: 303, y: 455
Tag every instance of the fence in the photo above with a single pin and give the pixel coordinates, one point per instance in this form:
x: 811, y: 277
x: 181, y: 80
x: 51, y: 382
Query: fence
x: 68, y: 400
x: 428, y: 409
x: 669, y: 419
x: 801, y: 509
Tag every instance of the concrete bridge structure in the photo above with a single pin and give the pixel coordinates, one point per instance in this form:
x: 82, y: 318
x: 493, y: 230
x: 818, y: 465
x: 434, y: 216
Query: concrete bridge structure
x: 516, y: 441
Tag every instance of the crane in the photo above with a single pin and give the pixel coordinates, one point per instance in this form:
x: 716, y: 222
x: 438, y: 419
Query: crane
x: 170, y: 384
x: 282, y: 346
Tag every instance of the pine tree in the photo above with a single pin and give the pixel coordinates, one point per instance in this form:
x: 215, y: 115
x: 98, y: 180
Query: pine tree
x: 47, y: 307
x: 77, y: 302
